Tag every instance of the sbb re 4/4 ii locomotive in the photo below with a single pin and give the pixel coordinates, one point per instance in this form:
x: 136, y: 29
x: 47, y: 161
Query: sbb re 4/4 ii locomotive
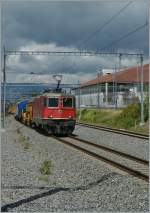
x: 55, y: 112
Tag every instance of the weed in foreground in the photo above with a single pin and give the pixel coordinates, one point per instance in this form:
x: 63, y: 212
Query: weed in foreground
x: 46, y: 167
x: 44, y: 178
x: 24, y: 141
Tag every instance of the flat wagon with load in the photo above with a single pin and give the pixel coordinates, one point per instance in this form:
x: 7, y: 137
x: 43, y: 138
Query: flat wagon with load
x: 21, y: 110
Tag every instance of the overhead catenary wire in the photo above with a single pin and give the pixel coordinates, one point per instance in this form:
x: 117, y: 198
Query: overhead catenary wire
x: 83, y: 42
x: 67, y: 53
x: 106, y: 23
x: 125, y: 36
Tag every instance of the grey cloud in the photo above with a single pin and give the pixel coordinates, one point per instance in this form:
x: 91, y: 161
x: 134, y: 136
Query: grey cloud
x: 68, y: 23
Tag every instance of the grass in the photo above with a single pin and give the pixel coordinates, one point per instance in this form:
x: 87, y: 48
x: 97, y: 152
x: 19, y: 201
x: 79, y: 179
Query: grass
x: 24, y: 141
x: 45, y: 170
x: 98, y: 116
x: 128, y: 118
x: 44, y: 178
x: 46, y: 167
x: 141, y: 129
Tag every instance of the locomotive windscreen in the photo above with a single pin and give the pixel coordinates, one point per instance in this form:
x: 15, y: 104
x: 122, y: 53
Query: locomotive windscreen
x: 53, y: 102
x: 67, y: 102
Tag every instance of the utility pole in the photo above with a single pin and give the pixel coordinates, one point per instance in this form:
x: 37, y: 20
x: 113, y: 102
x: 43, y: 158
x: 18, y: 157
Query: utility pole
x: 79, y: 99
x: 119, y: 67
x: 142, y: 96
x: 98, y: 90
x: 137, y: 71
x: 114, y: 97
x: 115, y: 89
x: 4, y: 89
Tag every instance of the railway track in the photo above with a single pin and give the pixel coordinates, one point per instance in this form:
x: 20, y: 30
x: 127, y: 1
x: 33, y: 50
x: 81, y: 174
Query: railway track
x: 132, y: 165
x: 117, y: 131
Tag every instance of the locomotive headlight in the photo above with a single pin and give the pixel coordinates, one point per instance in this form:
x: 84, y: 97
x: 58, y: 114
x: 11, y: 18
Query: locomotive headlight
x: 50, y: 116
x: 70, y: 116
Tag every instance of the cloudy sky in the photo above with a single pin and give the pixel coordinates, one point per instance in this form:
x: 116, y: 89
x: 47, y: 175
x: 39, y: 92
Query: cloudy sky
x: 106, y: 26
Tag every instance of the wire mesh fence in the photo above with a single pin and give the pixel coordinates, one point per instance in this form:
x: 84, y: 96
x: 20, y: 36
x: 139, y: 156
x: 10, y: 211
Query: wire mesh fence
x: 109, y: 97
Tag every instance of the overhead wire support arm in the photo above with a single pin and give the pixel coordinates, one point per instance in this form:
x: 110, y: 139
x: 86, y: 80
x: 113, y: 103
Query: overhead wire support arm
x: 77, y: 53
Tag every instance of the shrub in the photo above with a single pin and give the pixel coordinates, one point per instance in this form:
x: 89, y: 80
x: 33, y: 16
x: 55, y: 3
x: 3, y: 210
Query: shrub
x: 146, y: 108
x: 132, y: 110
x: 128, y: 117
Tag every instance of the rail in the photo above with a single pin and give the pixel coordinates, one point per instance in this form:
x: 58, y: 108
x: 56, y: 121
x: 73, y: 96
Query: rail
x: 117, y: 131
x: 136, y: 169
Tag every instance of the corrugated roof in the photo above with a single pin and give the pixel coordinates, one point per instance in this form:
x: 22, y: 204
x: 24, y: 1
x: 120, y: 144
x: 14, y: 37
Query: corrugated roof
x: 131, y: 75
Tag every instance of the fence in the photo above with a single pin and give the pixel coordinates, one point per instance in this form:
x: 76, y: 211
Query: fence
x: 109, y: 97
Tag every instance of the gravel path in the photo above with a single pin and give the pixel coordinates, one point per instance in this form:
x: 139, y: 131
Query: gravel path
x: 76, y: 183
x: 134, y: 146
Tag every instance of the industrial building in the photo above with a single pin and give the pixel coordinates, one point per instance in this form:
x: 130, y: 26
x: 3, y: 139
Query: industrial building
x: 117, y: 89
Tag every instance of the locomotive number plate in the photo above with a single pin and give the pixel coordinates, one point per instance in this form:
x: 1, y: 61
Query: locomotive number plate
x: 60, y: 112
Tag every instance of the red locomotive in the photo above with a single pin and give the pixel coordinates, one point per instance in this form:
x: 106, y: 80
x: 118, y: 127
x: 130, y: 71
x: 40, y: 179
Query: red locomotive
x: 55, y: 112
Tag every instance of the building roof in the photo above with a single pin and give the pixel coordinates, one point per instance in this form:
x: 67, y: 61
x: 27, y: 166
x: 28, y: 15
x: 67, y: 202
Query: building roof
x: 131, y: 75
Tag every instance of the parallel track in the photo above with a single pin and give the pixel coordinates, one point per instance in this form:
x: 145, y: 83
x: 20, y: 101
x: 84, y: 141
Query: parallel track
x: 118, y: 131
x: 78, y: 144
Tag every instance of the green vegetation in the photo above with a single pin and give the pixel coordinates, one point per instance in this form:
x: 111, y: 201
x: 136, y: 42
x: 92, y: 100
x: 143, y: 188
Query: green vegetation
x: 44, y: 178
x: 146, y: 108
x: 45, y: 170
x: 24, y: 141
x: 46, y: 167
x: 144, y: 129
x: 98, y: 116
x: 128, y: 118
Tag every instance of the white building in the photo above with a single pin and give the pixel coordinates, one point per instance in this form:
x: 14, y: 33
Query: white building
x: 114, y: 89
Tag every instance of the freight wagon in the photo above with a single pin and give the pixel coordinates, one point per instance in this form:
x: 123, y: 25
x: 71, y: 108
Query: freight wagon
x: 20, y: 111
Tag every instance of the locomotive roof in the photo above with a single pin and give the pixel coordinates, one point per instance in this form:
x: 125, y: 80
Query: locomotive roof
x: 55, y: 94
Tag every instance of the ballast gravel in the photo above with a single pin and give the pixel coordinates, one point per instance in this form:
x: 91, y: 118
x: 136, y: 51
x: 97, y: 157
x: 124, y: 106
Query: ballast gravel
x: 76, y: 181
x: 131, y: 145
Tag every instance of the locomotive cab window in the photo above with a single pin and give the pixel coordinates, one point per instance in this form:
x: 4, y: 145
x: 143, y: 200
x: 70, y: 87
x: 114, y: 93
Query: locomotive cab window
x: 67, y: 102
x: 53, y: 102
x: 45, y: 102
x: 74, y: 102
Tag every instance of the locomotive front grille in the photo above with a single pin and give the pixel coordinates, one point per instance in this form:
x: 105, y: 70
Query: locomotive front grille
x: 61, y: 122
